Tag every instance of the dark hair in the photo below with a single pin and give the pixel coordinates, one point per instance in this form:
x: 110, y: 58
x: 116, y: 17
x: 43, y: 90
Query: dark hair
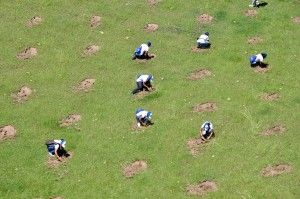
x: 264, y: 55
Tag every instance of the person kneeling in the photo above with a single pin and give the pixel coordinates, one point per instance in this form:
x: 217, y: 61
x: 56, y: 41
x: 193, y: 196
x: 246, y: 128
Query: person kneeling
x: 143, y: 117
x: 257, y: 60
x: 203, y: 41
x: 57, y: 148
x: 143, y: 82
x: 142, y: 52
x: 206, y: 131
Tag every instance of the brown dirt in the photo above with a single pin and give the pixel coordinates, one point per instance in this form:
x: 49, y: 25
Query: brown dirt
x: 153, y: 2
x: 204, y: 19
x: 199, y: 50
x: 22, y: 95
x: 134, y: 168
x: 7, y: 132
x: 199, y: 74
x: 151, y: 27
x: 28, y: 53
x: 90, y: 50
x: 251, y: 13
x: 34, y: 21
x: 270, y: 96
x: 277, y: 129
x: 52, y: 161
x: 85, y: 85
x: 275, y: 170
x: 195, y: 146
x: 254, y: 40
x: 259, y: 69
x: 205, y: 107
x: 57, y: 197
x: 202, y: 188
x: 70, y: 120
x: 296, y: 20
x: 95, y: 21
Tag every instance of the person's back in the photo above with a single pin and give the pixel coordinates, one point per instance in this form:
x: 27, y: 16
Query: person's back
x: 203, y: 41
x: 207, y: 130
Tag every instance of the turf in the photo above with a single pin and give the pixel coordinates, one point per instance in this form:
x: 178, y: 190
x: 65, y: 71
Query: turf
x: 105, y: 142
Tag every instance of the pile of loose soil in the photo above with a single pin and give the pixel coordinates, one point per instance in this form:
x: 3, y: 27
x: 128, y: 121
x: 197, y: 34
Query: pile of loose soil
x: 95, y: 21
x: 251, y: 13
x: 205, y: 107
x: 22, y: 95
x: 202, y: 188
x: 200, y: 50
x: 296, y: 20
x: 85, y: 85
x: 151, y: 27
x: 7, y: 132
x: 254, y: 40
x: 204, y: 19
x: 70, y: 120
x: 53, y: 162
x: 34, y: 21
x: 153, y: 2
x: 275, y: 170
x: 90, y: 50
x: 195, y: 146
x: 259, y: 69
x: 28, y: 53
x: 134, y: 168
x: 277, y: 129
x: 199, y: 74
x: 270, y: 96
x: 57, y: 197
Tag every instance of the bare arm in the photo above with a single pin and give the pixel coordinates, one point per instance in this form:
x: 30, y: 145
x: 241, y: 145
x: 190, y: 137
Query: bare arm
x: 59, y: 158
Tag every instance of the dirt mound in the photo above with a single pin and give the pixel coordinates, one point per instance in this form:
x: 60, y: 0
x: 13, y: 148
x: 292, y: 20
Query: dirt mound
x: 205, y: 107
x: 95, y: 21
x: 202, y: 188
x: 296, y: 20
x: 151, y: 27
x: 70, y: 120
x: 7, y: 132
x: 34, y: 21
x: 199, y: 74
x: 53, y: 162
x: 22, y: 95
x: 195, y: 146
x: 254, y: 40
x: 57, y: 197
x: 28, y: 53
x: 275, y: 170
x: 204, y: 19
x: 134, y: 168
x: 270, y: 96
x: 200, y: 50
x: 259, y: 69
x: 90, y: 50
x: 153, y: 2
x: 277, y: 129
x: 251, y: 13
x: 85, y: 85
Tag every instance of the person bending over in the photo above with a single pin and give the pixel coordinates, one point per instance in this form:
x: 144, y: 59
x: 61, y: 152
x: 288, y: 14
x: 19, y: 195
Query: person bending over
x: 206, y: 131
x: 57, y: 148
x: 142, y: 52
x: 143, y: 117
x: 257, y: 60
x: 203, y: 41
x: 143, y: 82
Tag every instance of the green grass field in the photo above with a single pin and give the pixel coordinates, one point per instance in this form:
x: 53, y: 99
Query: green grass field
x: 106, y: 141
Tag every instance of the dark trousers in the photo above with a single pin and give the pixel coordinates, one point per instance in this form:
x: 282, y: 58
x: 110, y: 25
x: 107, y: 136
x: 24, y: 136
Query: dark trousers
x: 203, y: 46
x: 145, y: 55
x: 62, y: 152
x: 140, y: 87
x: 144, y: 121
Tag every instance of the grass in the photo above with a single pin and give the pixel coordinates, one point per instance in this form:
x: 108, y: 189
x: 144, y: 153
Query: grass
x: 233, y: 159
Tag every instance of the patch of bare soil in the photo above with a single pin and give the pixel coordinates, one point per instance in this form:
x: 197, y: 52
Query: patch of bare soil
x: 34, y: 21
x: 151, y: 27
x: 202, y: 188
x: 277, y: 129
x: 199, y: 74
x: 205, y: 107
x: 200, y: 50
x: 53, y: 162
x: 22, y: 95
x: 70, y: 120
x: 153, y: 2
x: 296, y: 20
x: 95, y: 21
x: 270, y: 96
x: 90, y: 50
x: 28, y: 53
x: 134, y: 168
x: 275, y: 170
x: 7, y: 132
x: 259, y: 69
x: 254, y: 40
x: 57, y: 197
x: 195, y: 146
x: 204, y: 19
x: 85, y: 85
x: 251, y: 13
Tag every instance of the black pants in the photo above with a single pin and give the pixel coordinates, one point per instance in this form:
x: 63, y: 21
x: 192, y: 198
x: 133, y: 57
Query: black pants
x: 62, y: 152
x: 140, y: 87
x: 145, y: 55
x: 204, y: 46
x: 144, y: 121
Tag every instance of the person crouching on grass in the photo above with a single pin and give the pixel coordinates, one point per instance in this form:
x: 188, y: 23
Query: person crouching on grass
x: 206, y: 131
x: 143, y: 82
x: 57, y: 148
x: 257, y: 60
x: 143, y: 117
x: 203, y: 41
x: 142, y: 52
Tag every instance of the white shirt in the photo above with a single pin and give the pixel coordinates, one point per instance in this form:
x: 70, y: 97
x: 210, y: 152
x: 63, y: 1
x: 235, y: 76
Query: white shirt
x: 145, y: 48
x: 59, y: 142
x: 259, y: 58
x: 142, y: 78
x: 142, y: 114
x: 203, y: 39
x: 211, y: 127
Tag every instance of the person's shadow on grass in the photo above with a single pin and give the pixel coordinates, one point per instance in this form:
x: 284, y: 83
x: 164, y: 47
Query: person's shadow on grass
x: 262, y: 4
